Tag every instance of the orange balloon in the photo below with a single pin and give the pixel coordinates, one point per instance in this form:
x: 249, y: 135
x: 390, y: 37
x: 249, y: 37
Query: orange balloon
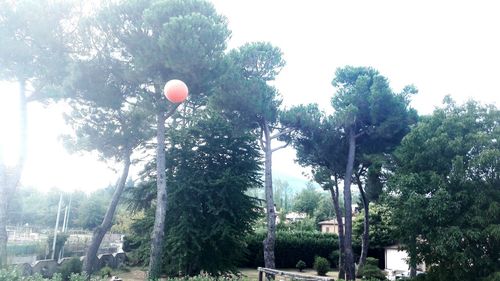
x: 176, y: 91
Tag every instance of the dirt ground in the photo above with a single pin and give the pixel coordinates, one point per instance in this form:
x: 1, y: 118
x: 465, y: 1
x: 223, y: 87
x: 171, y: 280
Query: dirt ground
x: 251, y: 274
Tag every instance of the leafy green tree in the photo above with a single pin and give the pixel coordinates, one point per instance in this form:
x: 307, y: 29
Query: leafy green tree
x: 92, y: 210
x: 382, y: 228
x: 210, y: 212
x: 247, y: 96
x: 375, y: 119
x: 307, y: 200
x: 369, y: 118
x: 444, y: 191
x: 283, y: 195
x: 319, y: 146
x: 159, y: 41
x: 325, y: 210
x: 108, y: 117
x: 210, y: 169
x: 33, y: 54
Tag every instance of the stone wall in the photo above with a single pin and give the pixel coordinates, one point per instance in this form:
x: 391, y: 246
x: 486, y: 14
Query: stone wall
x: 47, y: 268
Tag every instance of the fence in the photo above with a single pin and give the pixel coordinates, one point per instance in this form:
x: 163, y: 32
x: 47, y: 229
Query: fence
x: 288, y: 275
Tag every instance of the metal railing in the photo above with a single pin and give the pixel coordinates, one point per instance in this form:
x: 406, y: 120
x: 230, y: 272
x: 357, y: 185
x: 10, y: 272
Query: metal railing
x: 291, y: 275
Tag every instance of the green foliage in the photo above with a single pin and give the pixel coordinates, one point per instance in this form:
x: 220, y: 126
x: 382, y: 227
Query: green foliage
x: 60, y: 241
x: 321, y: 265
x: 92, y: 211
x: 25, y: 249
x: 35, y: 43
x: 208, y: 173
x: 334, y: 258
x: 325, y: 210
x: 282, y: 195
x: 11, y: 274
x: 445, y: 192
x: 307, y: 200
x: 301, y: 265
x: 307, y: 224
x: 382, y: 230
x: 38, y: 209
x: 105, y: 271
x: 495, y: 276
x: 244, y: 87
x: 74, y: 265
x: 291, y: 246
x: 371, y: 271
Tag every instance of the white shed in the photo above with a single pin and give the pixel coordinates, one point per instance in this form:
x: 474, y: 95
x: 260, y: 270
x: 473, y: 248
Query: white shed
x: 397, y: 260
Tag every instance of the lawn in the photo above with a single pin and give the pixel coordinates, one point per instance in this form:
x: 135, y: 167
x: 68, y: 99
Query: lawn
x: 138, y: 274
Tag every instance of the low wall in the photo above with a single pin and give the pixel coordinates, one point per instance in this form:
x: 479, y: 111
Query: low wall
x: 47, y: 268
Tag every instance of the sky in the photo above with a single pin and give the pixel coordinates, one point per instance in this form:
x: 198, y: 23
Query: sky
x: 441, y: 47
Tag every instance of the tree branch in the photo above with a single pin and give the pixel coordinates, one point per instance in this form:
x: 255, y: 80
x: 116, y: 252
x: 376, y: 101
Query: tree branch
x: 286, y: 131
x: 280, y: 147
x: 171, y: 111
x: 359, y: 134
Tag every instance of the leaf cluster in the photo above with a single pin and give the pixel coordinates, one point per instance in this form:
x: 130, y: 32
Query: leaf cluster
x: 445, y: 191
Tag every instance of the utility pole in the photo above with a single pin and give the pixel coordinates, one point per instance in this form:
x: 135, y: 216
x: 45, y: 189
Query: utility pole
x: 65, y: 224
x: 57, y: 226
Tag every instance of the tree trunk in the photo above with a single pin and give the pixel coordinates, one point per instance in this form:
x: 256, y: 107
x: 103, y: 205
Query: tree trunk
x: 89, y: 264
x: 270, y: 240
x: 340, y: 223
x: 158, y: 234
x: 9, y: 177
x: 349, y: 257
x: 412, y: 252
x: 3, y: 215
x: 365, y: 238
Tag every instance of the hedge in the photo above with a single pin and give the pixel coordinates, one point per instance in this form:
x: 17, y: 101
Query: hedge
x: 291, y: 246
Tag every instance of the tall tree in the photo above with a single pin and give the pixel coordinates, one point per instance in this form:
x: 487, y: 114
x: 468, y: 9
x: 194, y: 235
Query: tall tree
x: 33, y: 53
x: 318, y: 145
x: 369, y: 120
x: 162, y: 40
x: 249, y: 95
x: 209, y: 170
x: 373, y: 119
x: 307, y: 200
x: 108, y: 118
x: 445, y: 194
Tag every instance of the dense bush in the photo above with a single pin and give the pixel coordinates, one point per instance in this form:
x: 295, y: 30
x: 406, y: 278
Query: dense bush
x: 291, y: 246
x: 321, y: 265
x: 74, y: 265
x: 11, y: 274
x: 371, y: 271
x: 300, y: 265
x: 495, y: 276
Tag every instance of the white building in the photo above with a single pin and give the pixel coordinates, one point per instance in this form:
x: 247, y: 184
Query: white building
x: 396, y: 262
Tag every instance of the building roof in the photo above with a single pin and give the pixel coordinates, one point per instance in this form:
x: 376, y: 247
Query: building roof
x: 328, y: 222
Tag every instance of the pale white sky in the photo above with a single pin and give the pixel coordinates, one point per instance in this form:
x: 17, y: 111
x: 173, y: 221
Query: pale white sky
x: 442, y: 47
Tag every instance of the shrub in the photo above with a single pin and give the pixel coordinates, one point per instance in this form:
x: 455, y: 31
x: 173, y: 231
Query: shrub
x: 321, y: 265
x: 11, y: 274
x: 371, y: 271
x: 74, y: 265
x: 105, y: 271
x: 495, y: 276
x: 300, y: 265
x: 334, y: 258
x: 291, y: 246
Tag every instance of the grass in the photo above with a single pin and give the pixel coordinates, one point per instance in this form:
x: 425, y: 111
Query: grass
x: 250, y: 274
